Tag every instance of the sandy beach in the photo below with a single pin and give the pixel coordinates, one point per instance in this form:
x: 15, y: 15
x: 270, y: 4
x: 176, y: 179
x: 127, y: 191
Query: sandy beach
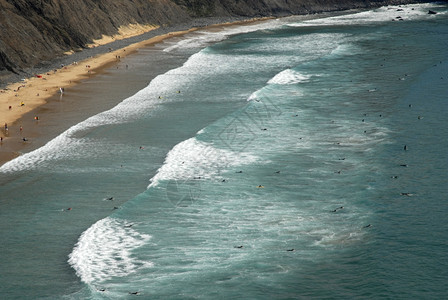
x: 38, y: 108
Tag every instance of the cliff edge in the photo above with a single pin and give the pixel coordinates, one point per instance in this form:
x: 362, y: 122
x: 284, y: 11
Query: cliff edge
x: 35, y: 31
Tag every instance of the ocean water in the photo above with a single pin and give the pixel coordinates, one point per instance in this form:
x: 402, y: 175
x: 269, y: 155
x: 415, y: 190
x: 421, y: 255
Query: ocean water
x: 289, y: 159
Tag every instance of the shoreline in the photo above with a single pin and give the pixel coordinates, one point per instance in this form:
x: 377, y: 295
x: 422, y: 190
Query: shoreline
x: 27, y: 106
x: 26, y: 134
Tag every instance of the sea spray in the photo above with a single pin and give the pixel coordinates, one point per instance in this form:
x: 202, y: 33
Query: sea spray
x: 105, y: 250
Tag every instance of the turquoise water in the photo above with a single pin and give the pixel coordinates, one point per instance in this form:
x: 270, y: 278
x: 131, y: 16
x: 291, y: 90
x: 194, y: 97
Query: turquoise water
x: 271, y: 164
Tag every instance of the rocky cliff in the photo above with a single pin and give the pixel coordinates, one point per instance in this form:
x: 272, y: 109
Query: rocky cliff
x: 32, y: 31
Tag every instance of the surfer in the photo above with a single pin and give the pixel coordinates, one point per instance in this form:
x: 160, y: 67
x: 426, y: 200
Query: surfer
x: 405, y: 148
x: 367, y: 226
x: 335, y: 210
x: 290, y: 250
x: 238, y: 247
x: 134, y: 293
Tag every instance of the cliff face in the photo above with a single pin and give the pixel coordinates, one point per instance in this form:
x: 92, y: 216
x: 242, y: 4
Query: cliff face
x: 32, y: 31
x: 36, y: 30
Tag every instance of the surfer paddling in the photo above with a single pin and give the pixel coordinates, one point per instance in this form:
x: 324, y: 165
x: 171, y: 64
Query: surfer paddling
x: 339, y: 208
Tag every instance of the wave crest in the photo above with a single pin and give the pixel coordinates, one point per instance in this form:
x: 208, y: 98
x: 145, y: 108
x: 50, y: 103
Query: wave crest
x: 105, y: 250
x: 289, y: 76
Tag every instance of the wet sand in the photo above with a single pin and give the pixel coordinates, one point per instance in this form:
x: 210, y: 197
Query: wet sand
x: 89, y: 87
x: 38, y: 111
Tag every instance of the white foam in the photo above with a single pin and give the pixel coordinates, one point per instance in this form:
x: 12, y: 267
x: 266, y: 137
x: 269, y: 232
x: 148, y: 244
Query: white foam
x: 345, y: 50
x: 382, y: 14
x: 261, y: 95
x: 346, y: 236
x: 289, y: 76
x: 193, y: 159
x: 199, y: 39
x: 68, y: 144
x: 105, y: 250
x: 55, y: 149
x: 195, y: 40
x: 254, y: 96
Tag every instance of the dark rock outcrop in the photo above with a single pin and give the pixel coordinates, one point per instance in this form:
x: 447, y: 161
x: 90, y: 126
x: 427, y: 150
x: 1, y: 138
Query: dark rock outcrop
x: 36, y: 31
